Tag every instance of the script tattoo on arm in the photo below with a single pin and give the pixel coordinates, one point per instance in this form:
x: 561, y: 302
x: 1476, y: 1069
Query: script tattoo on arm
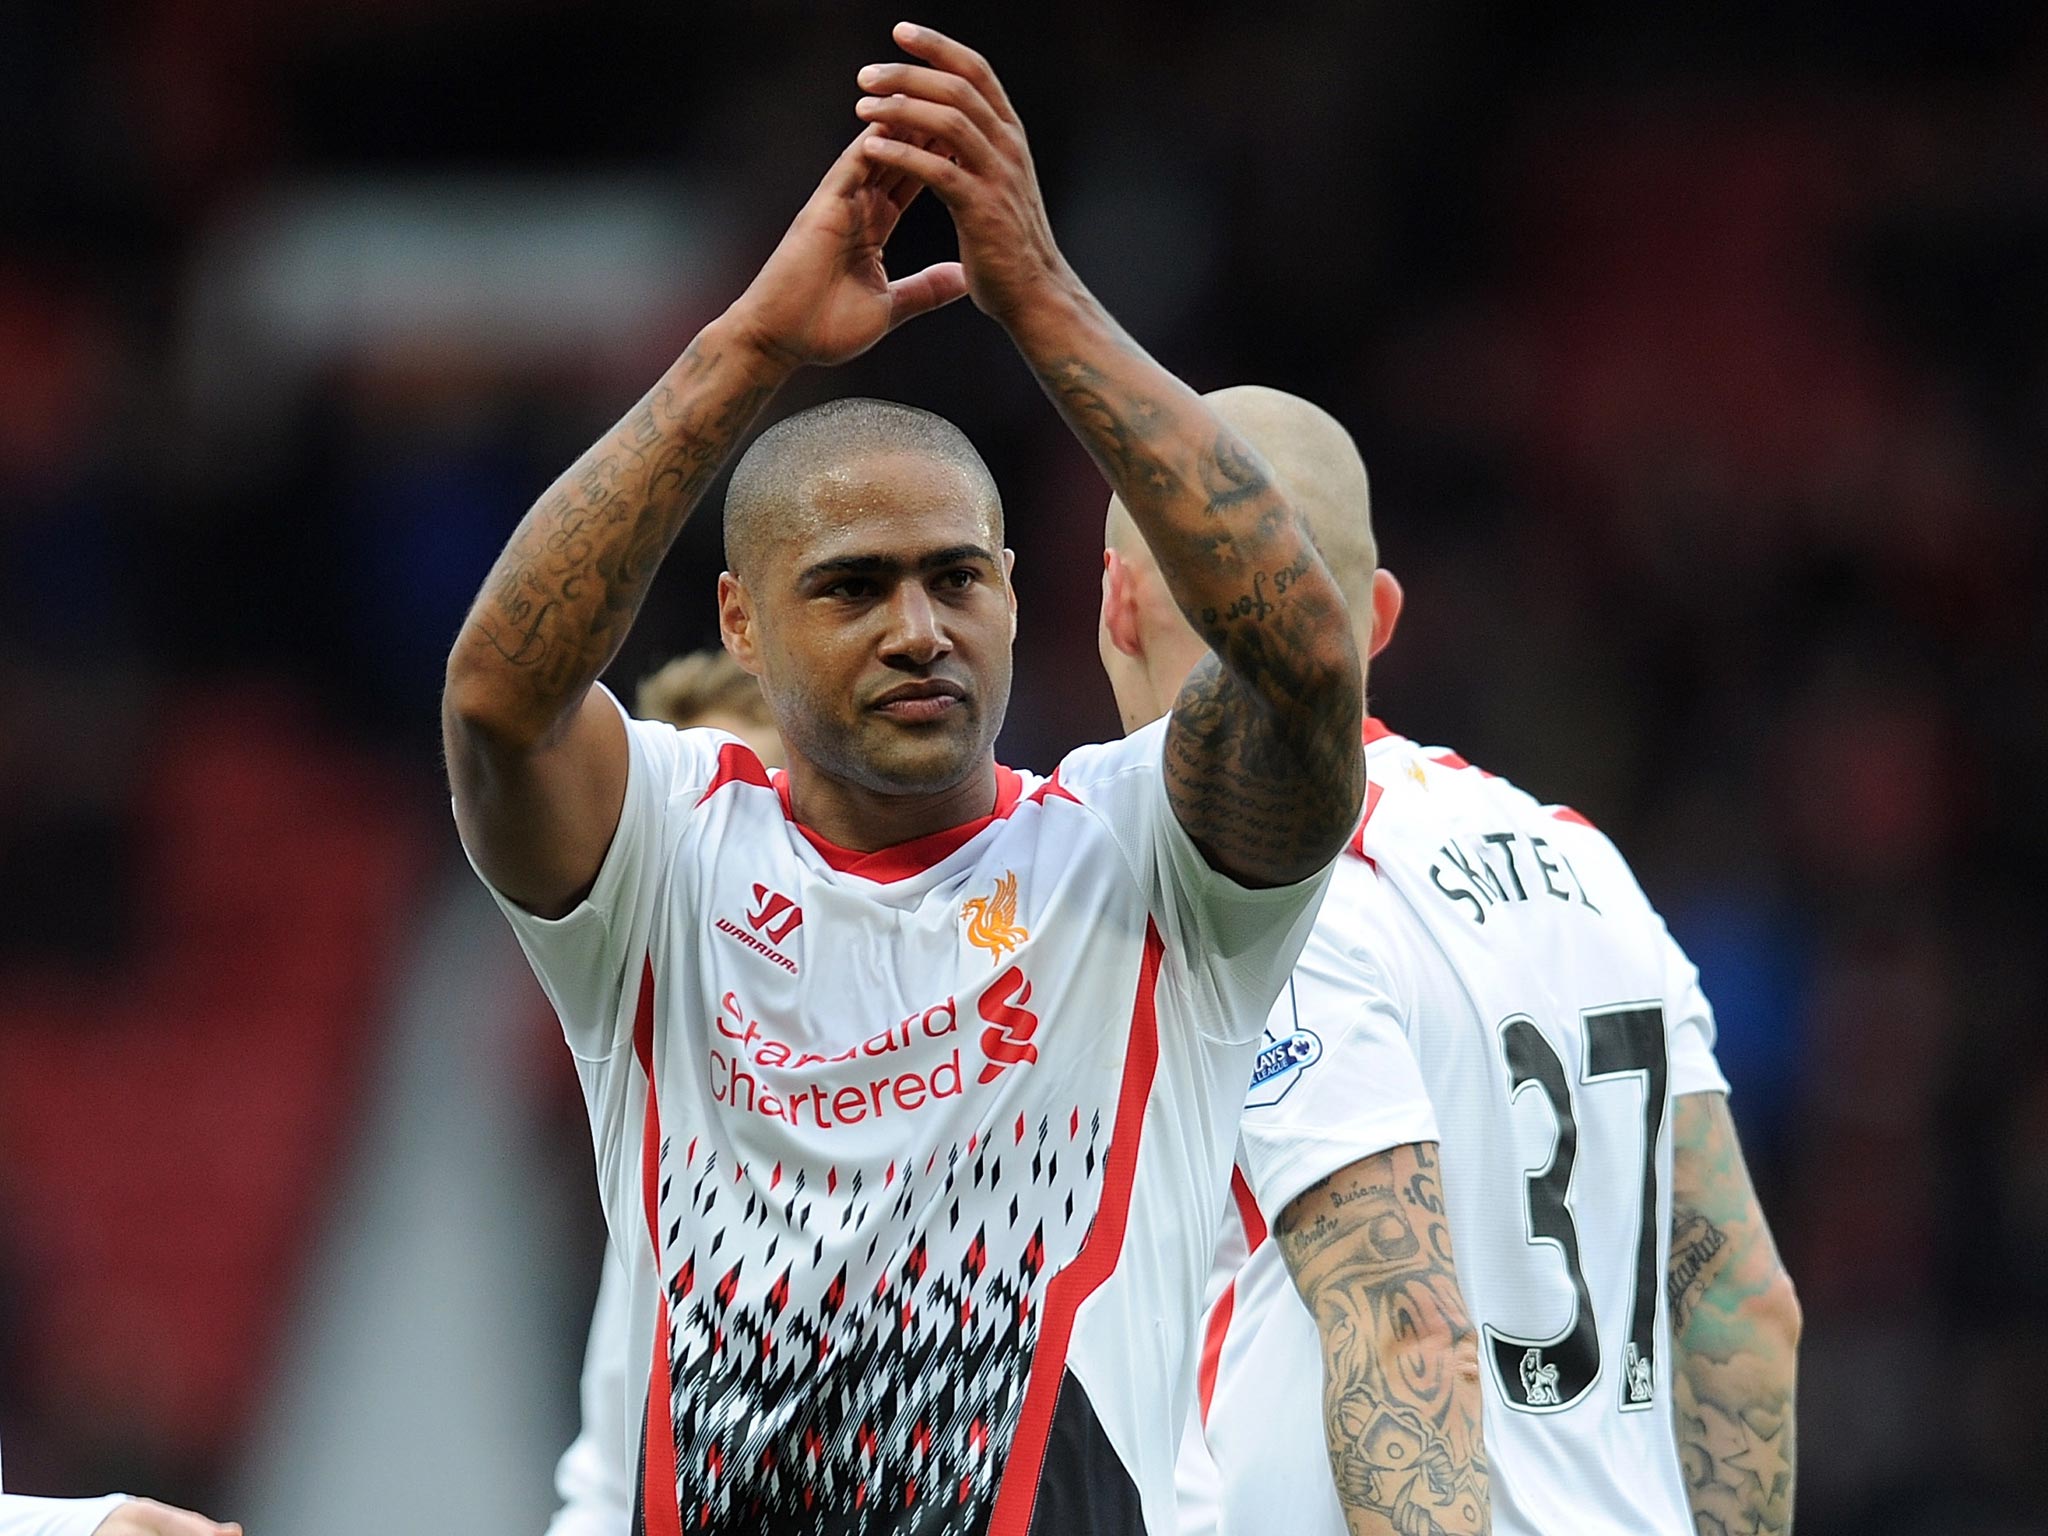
x: 1735, y: 1322
x: 1370, y: 1252
x: 1264, y: 763
x: 561, y: 597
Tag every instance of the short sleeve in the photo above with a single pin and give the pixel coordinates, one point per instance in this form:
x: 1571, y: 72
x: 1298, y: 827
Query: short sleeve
x: 1238, y: 943
x: 586, y: 959
x: 1336, y: 1078
x: 1693, y: 1068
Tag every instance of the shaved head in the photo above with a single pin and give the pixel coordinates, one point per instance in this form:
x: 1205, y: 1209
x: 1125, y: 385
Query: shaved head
x: 1318, y: 467
x: 867, y: 588
x: 779, y: 479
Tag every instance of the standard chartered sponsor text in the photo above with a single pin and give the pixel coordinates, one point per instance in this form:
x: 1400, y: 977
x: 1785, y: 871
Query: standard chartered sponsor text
x: 756, y: 1073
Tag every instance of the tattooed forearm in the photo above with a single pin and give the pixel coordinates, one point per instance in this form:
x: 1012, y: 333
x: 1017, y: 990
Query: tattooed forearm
x: 1735, y: 1322
x: 1265, y: 765
x: 1695, y: 1243
x: 1370, y: 1252
x: 561, y: 597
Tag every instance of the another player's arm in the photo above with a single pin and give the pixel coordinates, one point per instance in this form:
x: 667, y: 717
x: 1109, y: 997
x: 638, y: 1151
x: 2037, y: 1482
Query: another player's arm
x: 1370, y: 1252
x: 146, y: 1517
x: 536, y: 758
x: 1735, y: 1322
x: 21, y: 1516
x: 1263, y: 756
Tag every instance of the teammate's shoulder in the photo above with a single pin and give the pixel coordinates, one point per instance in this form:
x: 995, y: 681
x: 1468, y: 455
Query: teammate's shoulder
x: 1363, y: 919
x: 1099, y: 762
x: 1424, y: 783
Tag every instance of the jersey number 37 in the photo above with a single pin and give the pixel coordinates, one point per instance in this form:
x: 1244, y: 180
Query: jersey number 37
x: 1550, y: 1375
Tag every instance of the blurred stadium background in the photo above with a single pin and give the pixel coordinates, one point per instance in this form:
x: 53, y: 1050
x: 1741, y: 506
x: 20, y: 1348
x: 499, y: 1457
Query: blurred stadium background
x: 1701, y: 358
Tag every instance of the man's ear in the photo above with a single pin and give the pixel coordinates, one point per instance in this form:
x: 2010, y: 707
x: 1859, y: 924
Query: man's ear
x: 1119, y: 604
x: 1386, y: 609
x: 1010, y: 583
x: 736, y: 622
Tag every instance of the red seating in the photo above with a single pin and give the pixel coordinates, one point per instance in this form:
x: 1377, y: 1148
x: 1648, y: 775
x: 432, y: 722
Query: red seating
x: 170, y: 1133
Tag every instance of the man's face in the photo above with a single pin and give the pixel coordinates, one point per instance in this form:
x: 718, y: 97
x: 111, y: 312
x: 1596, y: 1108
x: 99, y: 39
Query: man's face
x: 881, y: 623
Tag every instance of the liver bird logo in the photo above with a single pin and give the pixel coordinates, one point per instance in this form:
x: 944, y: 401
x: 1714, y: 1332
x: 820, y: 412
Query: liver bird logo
x: 992, y: 919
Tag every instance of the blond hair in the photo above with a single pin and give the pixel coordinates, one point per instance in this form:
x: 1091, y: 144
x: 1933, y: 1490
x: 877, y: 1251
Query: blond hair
x: 702, y: 683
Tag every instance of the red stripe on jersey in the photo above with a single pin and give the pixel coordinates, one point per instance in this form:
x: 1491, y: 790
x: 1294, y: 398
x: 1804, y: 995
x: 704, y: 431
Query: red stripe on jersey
x: 1053, y: 789
x: 1376, y: 731
x: 1356, y: 846
x: 1094, y: 1264
x: 1566, y: 813
x: 1226, y: 1305
x: 737, y: 764
x: 643, y: 1033
x: 920, y: 853
x: 658, y: 1497
x: 1247, y: 1211
x: 1212, y: 1346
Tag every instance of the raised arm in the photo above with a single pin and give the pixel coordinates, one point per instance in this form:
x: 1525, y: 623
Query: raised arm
x: 1735, y: 1321
x: 1370, y: 1252
x: 537, y: 760
x: 1264, y: 762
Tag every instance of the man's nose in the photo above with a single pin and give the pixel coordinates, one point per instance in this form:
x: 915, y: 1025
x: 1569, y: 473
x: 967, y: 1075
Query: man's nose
x: 915, y: 634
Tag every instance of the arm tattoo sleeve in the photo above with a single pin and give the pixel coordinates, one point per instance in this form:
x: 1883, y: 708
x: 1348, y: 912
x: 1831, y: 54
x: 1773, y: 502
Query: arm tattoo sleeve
x: 1370, y: 1252
x: 1736, y: 1327
x: 1264, y: 761
x: 558, y: 602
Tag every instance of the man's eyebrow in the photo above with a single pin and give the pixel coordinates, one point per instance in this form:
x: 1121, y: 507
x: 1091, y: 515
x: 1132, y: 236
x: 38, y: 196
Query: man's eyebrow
x: 850, y: 565
x: 955, y: 554
x: 889, y: 565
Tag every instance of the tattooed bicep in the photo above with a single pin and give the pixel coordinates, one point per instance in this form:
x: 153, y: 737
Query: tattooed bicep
x: 1377, y: 1219
x: 1237, y: 784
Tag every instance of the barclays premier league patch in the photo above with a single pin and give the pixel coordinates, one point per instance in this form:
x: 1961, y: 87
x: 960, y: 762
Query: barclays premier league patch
x: 1280, y: 1066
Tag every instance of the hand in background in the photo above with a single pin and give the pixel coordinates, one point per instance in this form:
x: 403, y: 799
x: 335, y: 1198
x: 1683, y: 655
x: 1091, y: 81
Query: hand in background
x: 146, y: 1517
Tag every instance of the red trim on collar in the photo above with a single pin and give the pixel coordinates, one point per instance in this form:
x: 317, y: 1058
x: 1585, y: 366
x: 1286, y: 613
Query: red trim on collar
x: 903, y: 860
x: 1053, y: 789
x: 1376, y: 731
x: 1356, y: 847
x: 1452, y: 760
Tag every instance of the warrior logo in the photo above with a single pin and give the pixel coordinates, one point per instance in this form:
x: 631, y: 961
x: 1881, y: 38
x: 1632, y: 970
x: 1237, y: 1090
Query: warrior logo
x: 773, y: 919
x: 776, y: 909
x: 992, y: 920
x: 1007, y: 1040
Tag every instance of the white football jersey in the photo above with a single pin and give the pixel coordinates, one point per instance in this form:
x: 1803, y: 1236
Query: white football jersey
x: 923, y: 1145
x: 1486, y: 973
